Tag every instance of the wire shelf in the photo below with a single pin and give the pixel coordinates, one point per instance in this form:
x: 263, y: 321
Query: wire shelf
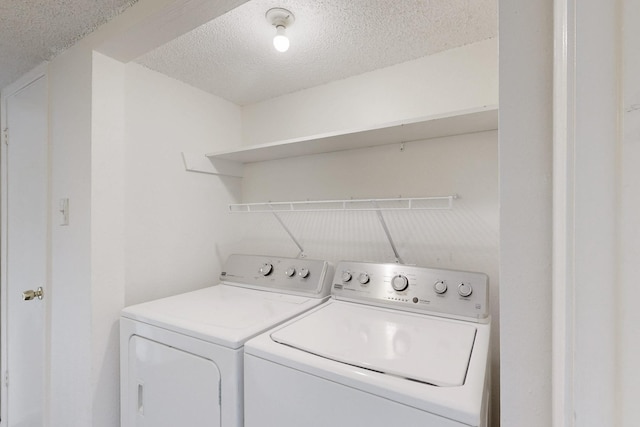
x: 422, y: 203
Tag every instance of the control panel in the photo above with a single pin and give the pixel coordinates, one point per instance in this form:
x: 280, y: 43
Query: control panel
x: 306, y: 277
x: 448, y: 293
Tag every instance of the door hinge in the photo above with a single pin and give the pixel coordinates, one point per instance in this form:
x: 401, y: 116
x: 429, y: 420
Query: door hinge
x: 6, y: 136
x: 6, y: 378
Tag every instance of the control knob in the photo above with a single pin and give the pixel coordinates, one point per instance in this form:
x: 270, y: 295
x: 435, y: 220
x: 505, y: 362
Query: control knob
x: 464, y: 289
x: 346, y: 276
x: 440, y: 287
x: 399, y: 283
x: 363, y: 278
x: 304, y: 273
x: 290, y: 271
x: 266, y: 269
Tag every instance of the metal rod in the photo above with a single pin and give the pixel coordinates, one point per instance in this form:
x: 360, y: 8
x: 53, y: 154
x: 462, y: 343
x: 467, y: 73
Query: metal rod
x: 386, y: 231
x: 301, y: 254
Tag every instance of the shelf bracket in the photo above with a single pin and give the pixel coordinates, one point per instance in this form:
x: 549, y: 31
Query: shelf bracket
x: 388, y: 234
x: 200, y: 163
x: 275, y: 214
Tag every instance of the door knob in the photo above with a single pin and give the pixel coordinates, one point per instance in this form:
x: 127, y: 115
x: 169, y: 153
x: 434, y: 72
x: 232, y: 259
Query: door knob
x: 31, y: 294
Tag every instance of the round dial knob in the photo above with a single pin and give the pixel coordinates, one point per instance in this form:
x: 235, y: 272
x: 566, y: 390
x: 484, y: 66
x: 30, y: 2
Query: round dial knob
x: 290, y: 271
x: 346, y: 276
x: 399, y: 283
x: 304, y: 272
x: 440, y: 287
x: 266, y: 269
x: 363, y: 278
x: 464, y: 289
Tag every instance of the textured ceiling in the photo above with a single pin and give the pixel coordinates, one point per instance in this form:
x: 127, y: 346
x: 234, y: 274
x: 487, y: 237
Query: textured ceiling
x: 33, y: 31
x: 232, y: 56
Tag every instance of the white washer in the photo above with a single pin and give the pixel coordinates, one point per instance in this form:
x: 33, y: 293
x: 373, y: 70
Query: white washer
x: 394, y: 346
x: 182, y: 357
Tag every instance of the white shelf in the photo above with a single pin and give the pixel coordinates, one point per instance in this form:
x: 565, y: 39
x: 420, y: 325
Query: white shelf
x: 447, y: 124
x: 423, y: 203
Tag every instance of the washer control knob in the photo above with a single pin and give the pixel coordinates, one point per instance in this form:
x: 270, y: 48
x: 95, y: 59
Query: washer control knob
x: 346, y: 276
x: 399, y: 283
x: 465, y: 289
x: 290, y: 272
x: 363, y: 278
x: 440, y: 287
x: 266, y: 269
x: 304, y: 273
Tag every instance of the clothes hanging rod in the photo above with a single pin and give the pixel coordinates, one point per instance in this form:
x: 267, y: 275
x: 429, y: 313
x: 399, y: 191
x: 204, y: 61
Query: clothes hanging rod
x: 421, y: 203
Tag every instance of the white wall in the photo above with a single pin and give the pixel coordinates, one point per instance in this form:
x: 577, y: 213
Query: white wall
x: 629, y: 230
x: 525, y: 147
x: 596, y: 185
x: 176, y: 222
x: 71, y: 306
x: 107, y: 234
x: 456, y: 79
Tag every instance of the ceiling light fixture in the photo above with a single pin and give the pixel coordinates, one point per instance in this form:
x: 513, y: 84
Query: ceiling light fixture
x: 281, y: 19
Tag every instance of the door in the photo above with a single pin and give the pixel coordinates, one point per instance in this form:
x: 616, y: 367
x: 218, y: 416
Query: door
x: 169, y: 387
x: 25, y: 213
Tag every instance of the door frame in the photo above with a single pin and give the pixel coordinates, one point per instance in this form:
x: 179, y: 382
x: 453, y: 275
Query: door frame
x: 39, y: 72
x: 585, y: 275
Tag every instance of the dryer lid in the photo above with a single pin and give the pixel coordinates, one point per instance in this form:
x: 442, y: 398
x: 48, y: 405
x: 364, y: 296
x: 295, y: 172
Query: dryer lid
x: 417, y: 347
x: 225, y: 315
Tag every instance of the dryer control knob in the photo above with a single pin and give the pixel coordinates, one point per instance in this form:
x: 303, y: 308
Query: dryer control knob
x: 399, y: 283
x: 346, y: 276
x: 440, y: 287
x: 363, y: 278
x: 266, y: 269
x: 465, y: 289
x: 290, y: 272
x: 304, y: 273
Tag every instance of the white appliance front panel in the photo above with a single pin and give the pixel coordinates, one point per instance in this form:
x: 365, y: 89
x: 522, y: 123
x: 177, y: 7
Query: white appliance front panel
x: 228, y: 361
x: 170, y: 387
x: 277, y: 395
x: 222, y: 314
x: 406, y: 345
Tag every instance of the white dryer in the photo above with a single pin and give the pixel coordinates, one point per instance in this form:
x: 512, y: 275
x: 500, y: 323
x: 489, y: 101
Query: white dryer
x: 394, y: 346
x: 182, y: 357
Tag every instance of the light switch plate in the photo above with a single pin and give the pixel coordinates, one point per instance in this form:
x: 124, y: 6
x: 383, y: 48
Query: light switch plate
x: 63, y: 208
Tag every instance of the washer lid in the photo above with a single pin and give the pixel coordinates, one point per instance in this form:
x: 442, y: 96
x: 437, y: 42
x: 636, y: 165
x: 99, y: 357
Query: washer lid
x: 407, y: 345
